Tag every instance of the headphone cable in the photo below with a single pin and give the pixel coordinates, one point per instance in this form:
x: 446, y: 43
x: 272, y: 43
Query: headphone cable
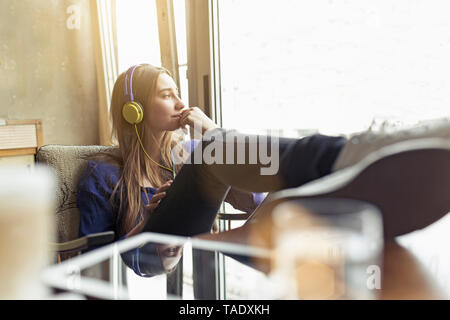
x: 145, y: 152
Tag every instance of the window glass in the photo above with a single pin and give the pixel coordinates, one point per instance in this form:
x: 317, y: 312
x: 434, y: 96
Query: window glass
x: 137, y: 33
x: 332, y: 66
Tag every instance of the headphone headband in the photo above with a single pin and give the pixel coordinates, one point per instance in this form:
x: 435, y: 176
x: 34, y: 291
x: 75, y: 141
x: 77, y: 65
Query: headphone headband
x: 130, y: 81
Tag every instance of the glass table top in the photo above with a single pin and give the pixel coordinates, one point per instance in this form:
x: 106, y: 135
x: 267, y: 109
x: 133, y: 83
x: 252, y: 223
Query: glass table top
x: 156, y: 266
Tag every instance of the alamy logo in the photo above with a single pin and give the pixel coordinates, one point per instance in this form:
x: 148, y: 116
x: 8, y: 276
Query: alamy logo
x: 73, y: 280
x: 231, y: 147
x: 374, y: 278
x: 73, y: 21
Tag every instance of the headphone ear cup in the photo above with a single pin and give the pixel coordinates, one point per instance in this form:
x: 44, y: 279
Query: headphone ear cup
x: 132, y: 112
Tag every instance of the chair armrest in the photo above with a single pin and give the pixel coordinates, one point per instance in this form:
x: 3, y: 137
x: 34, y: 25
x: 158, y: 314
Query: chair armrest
x: 86, y: 242
x: 233, y: 216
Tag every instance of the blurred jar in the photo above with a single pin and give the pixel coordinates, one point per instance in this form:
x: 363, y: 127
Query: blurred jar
x: 327, y: 249
x: 27, y: 204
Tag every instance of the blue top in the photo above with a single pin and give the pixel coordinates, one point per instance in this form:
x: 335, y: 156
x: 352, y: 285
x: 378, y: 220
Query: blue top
x: 98, y: 214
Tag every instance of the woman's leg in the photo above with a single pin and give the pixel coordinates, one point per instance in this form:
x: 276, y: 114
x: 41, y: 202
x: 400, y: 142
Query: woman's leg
x: 192, y: 202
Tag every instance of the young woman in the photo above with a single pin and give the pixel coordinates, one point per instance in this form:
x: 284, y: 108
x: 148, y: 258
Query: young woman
x: 139, y: 187
x: 120, y: 190
x: 133, y: 189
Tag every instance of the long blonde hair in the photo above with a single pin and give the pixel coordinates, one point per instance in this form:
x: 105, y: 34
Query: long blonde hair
x: 135, y: 166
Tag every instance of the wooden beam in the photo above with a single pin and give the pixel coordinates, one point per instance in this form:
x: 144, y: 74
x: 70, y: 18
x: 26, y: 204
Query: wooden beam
x: 200, y: 77
x: 39, y: 134
x: 17, y: 152
x: 167, y: 38
x: 20, y: 122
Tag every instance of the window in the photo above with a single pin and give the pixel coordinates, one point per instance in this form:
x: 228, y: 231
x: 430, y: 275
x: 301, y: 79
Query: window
x: 332, y: 66
x: 137, y: 33
x: 180, y: 30
x: 138, y: 37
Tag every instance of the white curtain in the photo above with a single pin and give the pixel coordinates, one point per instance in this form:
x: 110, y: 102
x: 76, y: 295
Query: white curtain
x: 104, y: 31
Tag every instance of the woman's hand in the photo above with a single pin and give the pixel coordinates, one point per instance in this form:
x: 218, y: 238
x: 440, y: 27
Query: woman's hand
x: 196, y: 119
x: 150, y: 207
x: 156, y: 199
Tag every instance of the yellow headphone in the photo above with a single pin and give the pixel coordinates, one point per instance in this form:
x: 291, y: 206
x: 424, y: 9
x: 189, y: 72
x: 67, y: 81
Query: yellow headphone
x: 133, y: 113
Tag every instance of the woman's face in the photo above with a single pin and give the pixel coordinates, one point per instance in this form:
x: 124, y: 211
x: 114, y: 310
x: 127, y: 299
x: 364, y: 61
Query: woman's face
x: 170, y: 255
x: 166, y: 107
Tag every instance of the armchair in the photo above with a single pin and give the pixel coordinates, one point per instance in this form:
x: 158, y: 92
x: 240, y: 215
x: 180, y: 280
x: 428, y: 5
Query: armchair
x: 69, y: 163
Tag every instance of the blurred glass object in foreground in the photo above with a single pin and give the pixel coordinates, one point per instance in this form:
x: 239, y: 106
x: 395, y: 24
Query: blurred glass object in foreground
x: 327, y: 249
x: 26, y: 230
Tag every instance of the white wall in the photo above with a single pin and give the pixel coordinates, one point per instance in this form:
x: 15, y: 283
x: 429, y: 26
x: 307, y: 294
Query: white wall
x: 47, y: 68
